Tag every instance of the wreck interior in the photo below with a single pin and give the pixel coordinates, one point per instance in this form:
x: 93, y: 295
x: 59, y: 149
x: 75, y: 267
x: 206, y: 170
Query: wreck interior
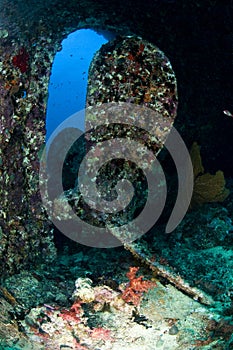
x: 192, y: 302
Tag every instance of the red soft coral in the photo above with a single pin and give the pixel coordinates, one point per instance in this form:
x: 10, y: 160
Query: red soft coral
x: 73, y: 314
x: 136, y: 287
x: 21, y: 60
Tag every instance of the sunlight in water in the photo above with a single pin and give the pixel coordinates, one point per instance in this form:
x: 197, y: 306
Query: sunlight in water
x: 68, y: 81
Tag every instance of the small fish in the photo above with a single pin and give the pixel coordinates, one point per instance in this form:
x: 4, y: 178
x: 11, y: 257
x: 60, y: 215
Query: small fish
x: 228, y: 113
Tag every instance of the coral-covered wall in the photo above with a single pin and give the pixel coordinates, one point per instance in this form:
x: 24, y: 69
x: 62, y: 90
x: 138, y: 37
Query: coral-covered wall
x: 197, y: 38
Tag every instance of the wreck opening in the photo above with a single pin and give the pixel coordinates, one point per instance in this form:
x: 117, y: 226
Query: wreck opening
x: 69, y: 76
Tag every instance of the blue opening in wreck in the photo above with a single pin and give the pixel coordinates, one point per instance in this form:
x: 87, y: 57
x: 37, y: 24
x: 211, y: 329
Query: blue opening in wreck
x: 68, y: 81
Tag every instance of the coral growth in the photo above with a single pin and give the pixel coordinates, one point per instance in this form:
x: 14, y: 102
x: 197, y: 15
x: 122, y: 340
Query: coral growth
x: 72, y: 315
x: 101, y: 334
x: 207, y: 187
x: 136, y: 287
x: 21, y: 60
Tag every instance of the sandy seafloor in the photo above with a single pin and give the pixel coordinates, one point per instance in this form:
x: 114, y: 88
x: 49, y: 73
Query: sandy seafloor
x: 36, y: 306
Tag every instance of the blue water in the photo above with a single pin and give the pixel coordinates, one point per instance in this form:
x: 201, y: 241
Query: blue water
x: 68, y: 81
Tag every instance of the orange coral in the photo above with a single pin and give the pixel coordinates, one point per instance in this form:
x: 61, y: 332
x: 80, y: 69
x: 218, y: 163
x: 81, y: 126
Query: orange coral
x: 207, y: 187
x: 147, y: 97
x: 136, y: 287
x: 13, y: 86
